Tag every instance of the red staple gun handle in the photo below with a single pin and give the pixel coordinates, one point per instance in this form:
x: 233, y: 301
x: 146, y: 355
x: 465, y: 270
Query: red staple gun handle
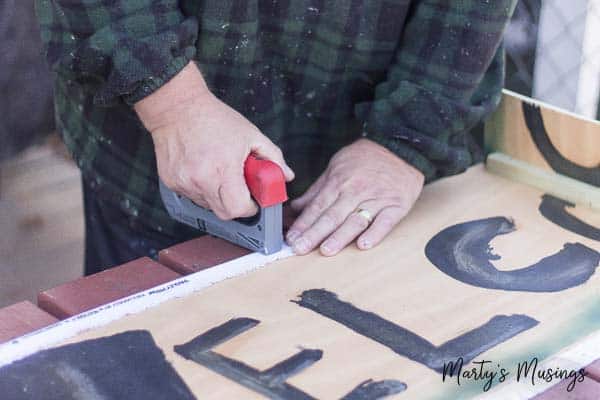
x: 265, y: 181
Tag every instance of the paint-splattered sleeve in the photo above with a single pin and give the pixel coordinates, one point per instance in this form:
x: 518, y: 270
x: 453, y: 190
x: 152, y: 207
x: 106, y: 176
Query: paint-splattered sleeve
x: 447, y: 76
x: 121, y: 50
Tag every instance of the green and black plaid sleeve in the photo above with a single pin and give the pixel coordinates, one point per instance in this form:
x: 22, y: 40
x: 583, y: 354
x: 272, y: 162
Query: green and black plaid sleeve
x: 447, y: 76
x: 117, y: 49
x: 312, y: 75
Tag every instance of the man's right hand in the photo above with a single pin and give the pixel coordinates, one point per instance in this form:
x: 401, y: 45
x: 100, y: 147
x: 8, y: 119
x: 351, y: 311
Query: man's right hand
x: 201, y: 145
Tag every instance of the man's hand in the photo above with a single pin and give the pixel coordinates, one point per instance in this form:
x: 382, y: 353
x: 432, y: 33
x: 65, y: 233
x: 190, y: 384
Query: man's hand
x: 201, y: 145
x: 361, y: 176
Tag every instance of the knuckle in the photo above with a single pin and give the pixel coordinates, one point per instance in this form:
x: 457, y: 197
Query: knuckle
x: 335, y: 178
x: 236, y: 210
x: 224, y: 215
x: 357, y: 185
x: 299, y: 225
x: 360, y: 222
x: 387, y: 223
x: 316, y: 206
x: 397, y: 201
x: 240, y: 210
x: 198, y: 200
x: 229, y: 213
x: 170, y: 182
x: 182, y: 182
x: 196, y: 180
x: 308, y: 240
x: 331, y: 218
x: 363, y: 224
x: 277, y: 151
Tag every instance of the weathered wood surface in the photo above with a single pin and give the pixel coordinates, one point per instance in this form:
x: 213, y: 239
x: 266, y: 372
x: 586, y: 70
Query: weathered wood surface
x: 575, y: 138
x: 398, y: 283
x: 566, y: 188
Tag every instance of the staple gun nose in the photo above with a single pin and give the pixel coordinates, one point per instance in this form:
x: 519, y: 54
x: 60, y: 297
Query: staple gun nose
x: 262, y: 232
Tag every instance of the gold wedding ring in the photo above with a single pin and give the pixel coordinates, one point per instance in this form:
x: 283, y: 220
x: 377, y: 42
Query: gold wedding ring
x: 365, y: 214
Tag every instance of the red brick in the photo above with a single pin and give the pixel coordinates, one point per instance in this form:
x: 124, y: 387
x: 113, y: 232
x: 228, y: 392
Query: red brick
x: 593, y: 370
x: 589, y: 389
x: 198, y: 254
x: 22, y: 318
x: 208, y: 251
x: 95, y: 290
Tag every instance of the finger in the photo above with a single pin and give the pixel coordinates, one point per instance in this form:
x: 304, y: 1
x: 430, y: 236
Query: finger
x: 236, y: 200
x: 230, y: 196
x: 198, y: 200
x: 383, y: 224
x: 269, y: 151
x: 353, y: 226
x: 187, y: 188
x: 301, y: 202
x: 212, y: 201
x: 328, y: 222
x: 311, y: 213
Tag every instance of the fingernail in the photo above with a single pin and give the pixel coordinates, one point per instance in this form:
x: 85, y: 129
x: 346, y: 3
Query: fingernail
x: 329, y: 247
x: 301, y: 246
x: 365, y: 244
x: 292, y: 235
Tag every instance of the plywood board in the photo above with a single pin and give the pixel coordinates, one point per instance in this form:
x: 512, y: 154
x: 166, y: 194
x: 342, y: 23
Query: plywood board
x: 546, y: 137
x: 393, y: 287
x: 566, y: 188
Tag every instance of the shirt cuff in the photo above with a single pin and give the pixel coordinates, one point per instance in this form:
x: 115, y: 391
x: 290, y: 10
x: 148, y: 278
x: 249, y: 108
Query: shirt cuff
x: 405, y: 152
x: 152, y: 84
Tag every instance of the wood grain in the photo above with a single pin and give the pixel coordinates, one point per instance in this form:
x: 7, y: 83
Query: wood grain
x: 576, y: 138
x: 552, y: 183
x: 396, y: 281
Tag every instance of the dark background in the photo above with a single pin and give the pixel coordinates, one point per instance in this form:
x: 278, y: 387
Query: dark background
x: 26, y: 100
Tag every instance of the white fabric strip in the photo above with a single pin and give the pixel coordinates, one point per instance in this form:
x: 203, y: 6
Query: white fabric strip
x: 65, y: 329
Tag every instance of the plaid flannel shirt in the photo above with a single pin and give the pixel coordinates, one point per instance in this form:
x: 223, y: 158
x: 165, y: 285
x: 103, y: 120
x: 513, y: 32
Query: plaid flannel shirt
x: 314, y: 75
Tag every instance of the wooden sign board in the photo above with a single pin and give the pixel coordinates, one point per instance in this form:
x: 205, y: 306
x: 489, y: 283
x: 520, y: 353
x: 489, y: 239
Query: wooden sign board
x: 486, y: 281
x: 369, y: 323
x: 551, y: 149
x: 546, y: 137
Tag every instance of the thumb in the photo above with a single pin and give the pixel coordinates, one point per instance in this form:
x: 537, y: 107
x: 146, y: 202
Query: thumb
x: 267, y: 150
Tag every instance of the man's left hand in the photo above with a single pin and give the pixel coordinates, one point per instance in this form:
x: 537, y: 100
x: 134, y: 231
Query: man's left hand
x: 364, y: 193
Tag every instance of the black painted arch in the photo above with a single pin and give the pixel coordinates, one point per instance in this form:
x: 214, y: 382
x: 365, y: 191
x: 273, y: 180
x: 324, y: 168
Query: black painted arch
x: 560, y: 164
x: 463, y: 252
x: 555, y: 210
